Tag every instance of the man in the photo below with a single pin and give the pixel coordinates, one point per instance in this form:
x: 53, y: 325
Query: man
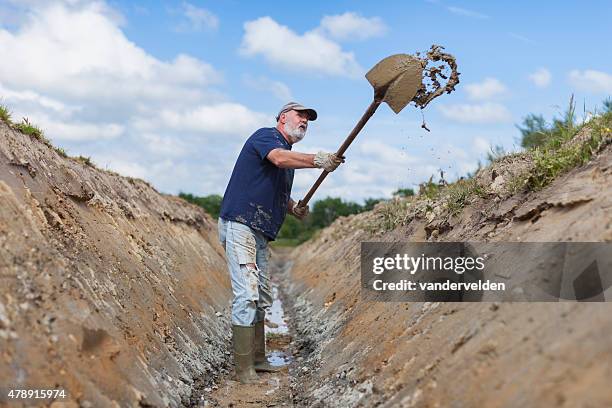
x: 254, y: 207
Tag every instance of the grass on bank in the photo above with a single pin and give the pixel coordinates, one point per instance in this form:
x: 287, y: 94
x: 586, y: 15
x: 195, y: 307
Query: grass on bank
x: 27, y: 128
x: 33, y: 131
x: 553, y: 151
x: 5, y: 115
x: 560, y: 155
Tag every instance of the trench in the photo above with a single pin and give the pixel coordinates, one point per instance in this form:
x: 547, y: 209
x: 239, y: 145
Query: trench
x: 282, y: 351
x: 124, y: 302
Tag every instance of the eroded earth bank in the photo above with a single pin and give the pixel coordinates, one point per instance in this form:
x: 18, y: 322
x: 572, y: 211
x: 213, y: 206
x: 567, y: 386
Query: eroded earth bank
x: 108, y: 289
x: 119, y: 295
x: 432, y: 354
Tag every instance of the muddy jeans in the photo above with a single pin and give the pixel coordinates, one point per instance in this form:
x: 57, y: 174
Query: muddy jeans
x: 247, y: 256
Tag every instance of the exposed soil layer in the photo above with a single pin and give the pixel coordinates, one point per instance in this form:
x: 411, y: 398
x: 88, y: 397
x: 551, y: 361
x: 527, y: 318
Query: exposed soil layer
x: 458, y: 354
x: 108, y: 289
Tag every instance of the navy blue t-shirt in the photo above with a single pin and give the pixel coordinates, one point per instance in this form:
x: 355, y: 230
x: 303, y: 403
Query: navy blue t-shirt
x: 258, y: 192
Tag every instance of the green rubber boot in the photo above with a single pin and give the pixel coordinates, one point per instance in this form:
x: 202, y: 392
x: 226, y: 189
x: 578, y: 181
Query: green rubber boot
x: 259, y: 344
x: 242, y: 337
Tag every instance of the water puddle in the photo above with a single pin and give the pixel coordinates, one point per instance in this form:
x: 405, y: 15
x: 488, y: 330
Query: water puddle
x: 278, y: 358
x: 277, y: 332
x: 275, y: 317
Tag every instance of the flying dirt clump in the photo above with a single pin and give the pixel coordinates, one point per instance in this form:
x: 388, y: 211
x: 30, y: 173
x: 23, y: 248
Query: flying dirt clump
x: 433, y: 88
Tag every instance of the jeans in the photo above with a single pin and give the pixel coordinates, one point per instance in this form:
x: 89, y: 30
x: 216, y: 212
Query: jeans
x: 247, y: 255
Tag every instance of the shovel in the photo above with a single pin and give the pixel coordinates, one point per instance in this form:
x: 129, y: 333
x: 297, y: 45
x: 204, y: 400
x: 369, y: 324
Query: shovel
x: 397, y: 80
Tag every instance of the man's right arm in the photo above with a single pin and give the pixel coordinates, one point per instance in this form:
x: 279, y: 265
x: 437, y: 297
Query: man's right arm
x: 286, y: 159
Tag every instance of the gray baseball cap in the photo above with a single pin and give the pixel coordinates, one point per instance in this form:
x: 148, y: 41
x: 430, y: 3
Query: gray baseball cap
x: 312, y: 114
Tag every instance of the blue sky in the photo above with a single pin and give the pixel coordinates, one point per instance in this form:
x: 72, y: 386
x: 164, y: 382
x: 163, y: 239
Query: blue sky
x: 168, y: 91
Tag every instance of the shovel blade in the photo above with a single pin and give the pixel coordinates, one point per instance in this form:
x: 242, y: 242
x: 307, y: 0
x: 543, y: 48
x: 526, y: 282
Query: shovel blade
x: 399, y: 76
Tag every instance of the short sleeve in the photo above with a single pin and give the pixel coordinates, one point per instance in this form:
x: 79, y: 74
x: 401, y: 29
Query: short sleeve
x: 266, y: 140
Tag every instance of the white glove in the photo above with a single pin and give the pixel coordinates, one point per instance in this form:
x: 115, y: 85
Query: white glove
x: 327, y: 161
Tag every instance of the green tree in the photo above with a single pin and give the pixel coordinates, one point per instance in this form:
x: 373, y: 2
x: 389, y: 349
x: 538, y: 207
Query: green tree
x: 403, y: 192
x: 325, y: 211
x: 607, y: 103
x: 534, y: 131
x: 294, y: 231
x: 210, y: 203
x: 369, y: 203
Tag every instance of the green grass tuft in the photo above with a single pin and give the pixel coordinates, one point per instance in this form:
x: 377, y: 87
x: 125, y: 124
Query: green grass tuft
x: 430, y: 189
x: 31, y: 130
x: 5, y: 115
x: 85, y: 160
x: 558, y: 157
x: 459, y: 194
x: 61, y: 151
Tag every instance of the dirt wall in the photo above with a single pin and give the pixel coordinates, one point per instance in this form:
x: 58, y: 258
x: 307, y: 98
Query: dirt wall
x: 108, y: 289
x: 457, y: 354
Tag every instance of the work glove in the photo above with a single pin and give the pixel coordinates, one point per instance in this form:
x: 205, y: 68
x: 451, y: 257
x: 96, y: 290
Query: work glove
x: 327, y: 161
x: 300, y: 212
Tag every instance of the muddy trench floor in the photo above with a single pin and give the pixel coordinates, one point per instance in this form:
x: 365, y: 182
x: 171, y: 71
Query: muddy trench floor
x: 282, y: 350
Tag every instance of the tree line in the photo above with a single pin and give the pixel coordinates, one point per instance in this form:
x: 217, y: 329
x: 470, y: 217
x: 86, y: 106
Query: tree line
x: 293, y: 231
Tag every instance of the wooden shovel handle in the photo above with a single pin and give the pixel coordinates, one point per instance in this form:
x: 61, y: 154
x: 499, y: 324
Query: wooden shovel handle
x: 347, y: 142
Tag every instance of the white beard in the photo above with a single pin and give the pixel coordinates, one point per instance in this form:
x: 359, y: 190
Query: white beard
x: 295, y: 133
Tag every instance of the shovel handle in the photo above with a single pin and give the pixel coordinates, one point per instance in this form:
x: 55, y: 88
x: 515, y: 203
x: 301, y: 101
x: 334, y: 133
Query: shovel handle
x: 347, y: 142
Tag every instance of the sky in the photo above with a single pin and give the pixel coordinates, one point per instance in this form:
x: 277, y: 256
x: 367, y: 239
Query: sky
x: 168, y: 91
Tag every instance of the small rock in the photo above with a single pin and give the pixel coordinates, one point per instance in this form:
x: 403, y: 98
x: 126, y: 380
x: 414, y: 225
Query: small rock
x: 218, y: 314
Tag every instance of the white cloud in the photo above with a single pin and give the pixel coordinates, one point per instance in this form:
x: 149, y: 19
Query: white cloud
x: 541, y: 77
x: 310, y: 51
x: 466, y: 13
x: 71, y: 62
x: 276, y: 88
x: 197, y: 19
x: 382, y: 152
x: 124, y: 167
x: 591, y: 80
x: 223, y: 118
x: 486, y: 89
x: 352, y: 26
x: 477, y: 113
x: 94, y: 92
x: 481, y: 146
x: 78, y: 131
x: 34, y: 98
x: 164, y: 146
x: 82, y: 54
